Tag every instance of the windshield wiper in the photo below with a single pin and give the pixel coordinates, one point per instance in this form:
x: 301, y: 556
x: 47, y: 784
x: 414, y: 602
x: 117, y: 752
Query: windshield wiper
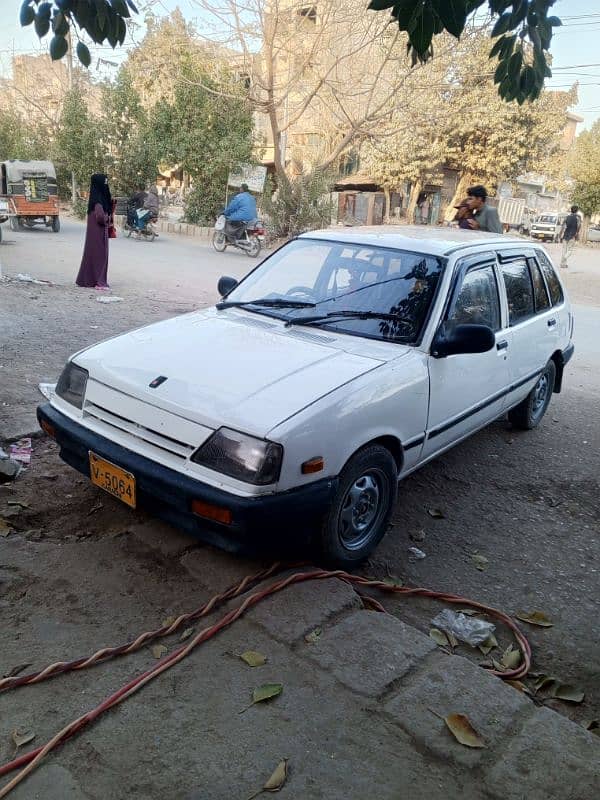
x: 347, y: 314
x: 266, y: 302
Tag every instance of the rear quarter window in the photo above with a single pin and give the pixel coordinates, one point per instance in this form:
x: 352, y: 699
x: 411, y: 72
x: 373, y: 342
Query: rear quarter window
x: 554, y: 287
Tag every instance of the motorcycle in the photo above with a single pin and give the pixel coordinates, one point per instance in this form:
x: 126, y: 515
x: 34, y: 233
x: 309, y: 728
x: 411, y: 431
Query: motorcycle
x: 246, y: 236
x: 139, y: 222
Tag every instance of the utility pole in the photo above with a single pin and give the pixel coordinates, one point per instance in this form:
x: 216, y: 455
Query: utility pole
x: 70, y: 74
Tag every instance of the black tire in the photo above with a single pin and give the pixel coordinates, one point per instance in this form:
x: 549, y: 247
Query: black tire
x: 219, y: 241
x: 530, y: 411
x: 254, y: 247
x: 361, y: 509
x: 55, y: 224
x: 14, y: 224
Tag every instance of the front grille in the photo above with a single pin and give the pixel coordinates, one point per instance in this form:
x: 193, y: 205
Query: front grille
x: 107, y: 418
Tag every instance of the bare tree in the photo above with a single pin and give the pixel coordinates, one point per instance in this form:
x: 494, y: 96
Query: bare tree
x: 320, y: 76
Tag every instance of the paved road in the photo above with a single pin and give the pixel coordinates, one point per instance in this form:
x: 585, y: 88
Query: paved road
x: 528, y: 502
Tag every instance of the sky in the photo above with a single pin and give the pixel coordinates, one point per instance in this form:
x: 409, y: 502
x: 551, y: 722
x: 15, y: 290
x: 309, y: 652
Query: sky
x: 576, y: 56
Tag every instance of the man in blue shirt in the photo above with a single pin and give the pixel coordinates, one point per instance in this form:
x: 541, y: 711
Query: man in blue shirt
x: 242, y: 208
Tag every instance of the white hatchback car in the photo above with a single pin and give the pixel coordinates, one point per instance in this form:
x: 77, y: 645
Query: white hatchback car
x: 339, y: 365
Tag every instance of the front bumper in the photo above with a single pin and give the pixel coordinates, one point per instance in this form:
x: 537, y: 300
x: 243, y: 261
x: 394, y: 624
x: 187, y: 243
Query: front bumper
x: 168, y: 494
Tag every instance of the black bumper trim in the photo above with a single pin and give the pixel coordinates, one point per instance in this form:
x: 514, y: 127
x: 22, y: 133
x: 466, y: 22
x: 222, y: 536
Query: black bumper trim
x: 168, y: 494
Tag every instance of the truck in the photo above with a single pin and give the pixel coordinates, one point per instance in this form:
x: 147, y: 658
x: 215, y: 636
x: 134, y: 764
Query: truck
x: 511, y: 211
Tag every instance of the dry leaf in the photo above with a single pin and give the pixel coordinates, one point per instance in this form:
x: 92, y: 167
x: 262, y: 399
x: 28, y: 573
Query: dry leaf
x: 313, y: 636
x: 568, y: 693
x: 439, y: 637
x: 253, y: 659
x: 17, y: 503
x: 490, y: 643
x: 545, y: 682
x: 167, y: 622
x: 435, y: 513
x: 158, y: 650
x: 21, y: 739
x: 5, y: 528
x: 276, y: 781
x: 534, y: 618
x: 462, y: 730
x: 480, y: 561
x: 16, y: 670
x: 186, y: 634
x: 265, y: 692
x: 593, y: 726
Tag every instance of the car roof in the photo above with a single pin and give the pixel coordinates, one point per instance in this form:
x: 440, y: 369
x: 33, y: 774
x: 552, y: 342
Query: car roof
x: 434, y: 240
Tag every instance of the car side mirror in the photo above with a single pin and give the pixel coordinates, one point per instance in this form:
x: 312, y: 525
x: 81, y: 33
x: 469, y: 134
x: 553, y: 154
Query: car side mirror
x: 462, y: 339
x: 226, y: 285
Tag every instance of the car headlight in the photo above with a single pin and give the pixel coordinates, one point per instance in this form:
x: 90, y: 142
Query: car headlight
x: 241, y: 456
x: 71, y: 384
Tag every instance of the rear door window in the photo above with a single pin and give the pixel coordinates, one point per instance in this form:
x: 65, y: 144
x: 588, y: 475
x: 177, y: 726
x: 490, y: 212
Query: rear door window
x: 477, y: 301
x: 519, y: 290
x: 540, y: 293
x: 556, y: 292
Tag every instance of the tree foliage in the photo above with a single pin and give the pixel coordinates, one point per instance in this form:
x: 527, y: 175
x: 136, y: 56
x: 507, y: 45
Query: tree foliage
x: 584, y: 168
x: 77, y: 147
x: 518, y: 23
x: 300, y: 204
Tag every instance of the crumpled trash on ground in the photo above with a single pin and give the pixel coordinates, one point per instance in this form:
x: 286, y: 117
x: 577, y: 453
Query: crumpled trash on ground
x: 9, y: 468
x: 47, y: 389
x: 111, y: 298
x: 470, y: 630
x: 417, y: 553
x: 21, y: 451
x: 24, y: 278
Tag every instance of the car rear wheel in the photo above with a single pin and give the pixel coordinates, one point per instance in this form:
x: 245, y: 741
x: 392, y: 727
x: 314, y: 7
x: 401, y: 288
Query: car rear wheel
x: 530, y: 411
x: 361, y: 509
x: 55, y: 224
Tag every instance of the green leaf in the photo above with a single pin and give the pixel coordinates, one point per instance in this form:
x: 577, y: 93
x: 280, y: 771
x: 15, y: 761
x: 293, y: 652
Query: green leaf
x: 554, y: 22
x: 58, y: 47
x: 122, y: 30
x: 439, y: 637
x: 520, y: 8
x: 490, y: 643
x: 453, y: 14
x: 421, y: 31
x: 568, y: 693
x: 26, y: 14
x: 60, y: 24
x: 266, y: 692
x: 502, y: 25
x: 380, y: 5
x: 83, y: 54
x: 253, y: 658
x: 515, y: 63
x: 120, y: 6
x: 41, y: 25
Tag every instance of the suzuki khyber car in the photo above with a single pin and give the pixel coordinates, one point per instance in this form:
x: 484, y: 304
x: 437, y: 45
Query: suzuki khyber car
x: 341, y: 364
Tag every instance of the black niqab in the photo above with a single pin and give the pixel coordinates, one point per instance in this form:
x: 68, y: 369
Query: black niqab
x: 99, y: 193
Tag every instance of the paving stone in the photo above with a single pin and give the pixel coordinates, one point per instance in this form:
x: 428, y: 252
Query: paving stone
x: 160, y: 536
x: 301, y: 608
x: 551, y: 758
x: 453, y: 685
x: 368, y: 651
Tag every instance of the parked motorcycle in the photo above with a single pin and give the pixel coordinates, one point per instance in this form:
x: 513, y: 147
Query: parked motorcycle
x: 246, y: 236
x: 139, y: 223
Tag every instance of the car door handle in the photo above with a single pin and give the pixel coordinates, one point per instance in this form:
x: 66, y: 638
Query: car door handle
x: 551, y: 323
x: 502, y: 345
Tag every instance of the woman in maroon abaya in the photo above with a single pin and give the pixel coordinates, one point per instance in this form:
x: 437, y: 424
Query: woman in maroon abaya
x: 93, y: 271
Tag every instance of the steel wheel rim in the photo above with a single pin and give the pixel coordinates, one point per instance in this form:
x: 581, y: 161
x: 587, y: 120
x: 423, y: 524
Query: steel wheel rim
x: 540, y: 395
x: 362, y: 509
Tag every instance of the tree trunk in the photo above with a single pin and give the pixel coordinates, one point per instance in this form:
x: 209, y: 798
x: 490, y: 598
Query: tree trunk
x: 386, y: 208
x: 415, y: 191
x: 464, y: 182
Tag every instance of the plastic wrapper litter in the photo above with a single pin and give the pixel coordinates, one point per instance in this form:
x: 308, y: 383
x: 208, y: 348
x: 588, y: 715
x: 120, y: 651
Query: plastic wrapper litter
x: 470, y: 630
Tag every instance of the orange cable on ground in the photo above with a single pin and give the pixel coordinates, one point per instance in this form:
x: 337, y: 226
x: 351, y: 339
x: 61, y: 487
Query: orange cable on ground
x: 30, y: 761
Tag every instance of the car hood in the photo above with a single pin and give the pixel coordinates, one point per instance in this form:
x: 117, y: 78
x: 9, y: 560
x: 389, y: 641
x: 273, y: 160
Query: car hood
x: 231, y: 368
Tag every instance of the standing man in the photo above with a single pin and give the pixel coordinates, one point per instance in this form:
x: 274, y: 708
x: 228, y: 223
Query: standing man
x: 569, y: 233
x: 242, y: 208
x: 485, y: 218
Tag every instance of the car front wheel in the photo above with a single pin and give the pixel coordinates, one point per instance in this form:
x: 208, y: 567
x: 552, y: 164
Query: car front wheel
x: 361, y: 509
x: 530, y: 411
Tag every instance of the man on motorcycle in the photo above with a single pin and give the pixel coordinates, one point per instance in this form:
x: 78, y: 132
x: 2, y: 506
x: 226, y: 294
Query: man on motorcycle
x: 241, y: 209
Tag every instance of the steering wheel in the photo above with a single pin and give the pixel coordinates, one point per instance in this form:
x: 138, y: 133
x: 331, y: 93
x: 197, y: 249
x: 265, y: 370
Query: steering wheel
x: 305, y: 290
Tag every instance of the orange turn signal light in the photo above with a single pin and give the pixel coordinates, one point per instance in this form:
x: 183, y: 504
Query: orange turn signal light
x: 47, y: 428
x: 208, y: 511
x: 313, y: 465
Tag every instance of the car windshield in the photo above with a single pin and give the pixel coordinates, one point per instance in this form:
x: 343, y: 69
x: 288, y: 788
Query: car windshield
x: 392, y: 288
x: 548, y: 218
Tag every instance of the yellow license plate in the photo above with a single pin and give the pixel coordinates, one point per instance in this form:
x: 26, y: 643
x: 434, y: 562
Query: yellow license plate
x: 112, y: 479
